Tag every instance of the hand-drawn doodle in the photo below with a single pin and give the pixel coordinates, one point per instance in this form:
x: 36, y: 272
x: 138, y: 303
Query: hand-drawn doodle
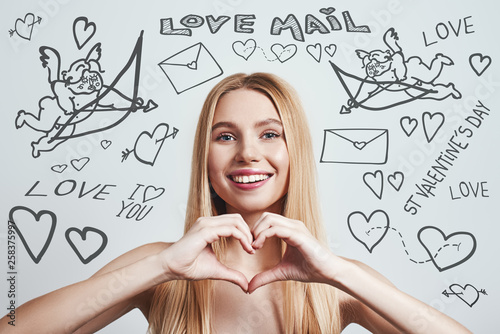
x: 24, y: 28
x: 408, y: 125
x: 432, y: 123
x: 59, y: 168
x: 368, y: 231
x: 375, y: 181
x: 284, y: 53
x: 105, y: 143
x: 137, y: 210
x: 281, y: 53
x: 315, y: 51
x: 479, y: 63
x: 34, y: 229
x: 396, y: 180
x: 83, y: 31
x: 468, y: 293
x: 472, y: 189
x: 327, y: 11
x: 313, y: 24
x: 147, y: 146
x: 151, y: 193
x: 190, y: 68
x: 400, y: 80
x: 78, y: 164
x: 355, y: 146
x: 447, y: 251
x: 246, y: 49
x: 82, y: 243
x: 331, y: 49
x: 79, y: 96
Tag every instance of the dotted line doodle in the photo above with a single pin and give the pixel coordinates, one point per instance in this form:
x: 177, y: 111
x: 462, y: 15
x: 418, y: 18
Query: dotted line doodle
x: 402, y: 242
x: 436, y: 244
x: 282, y: 53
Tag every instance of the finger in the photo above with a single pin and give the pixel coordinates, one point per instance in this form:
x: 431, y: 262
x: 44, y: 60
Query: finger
x: 242, y: 226
x: 228, y: 219
x: 267, y: 220
x: 269, y: 276
x: 233, y: 276
x: 217, y: 232
x: 273, y: 231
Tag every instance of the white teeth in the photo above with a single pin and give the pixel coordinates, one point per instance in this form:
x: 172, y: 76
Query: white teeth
x: 249, y: 178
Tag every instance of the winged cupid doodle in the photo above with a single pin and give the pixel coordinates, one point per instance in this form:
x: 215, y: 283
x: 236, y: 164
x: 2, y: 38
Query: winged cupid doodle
x: 79, y: 95
x: 391, y: 80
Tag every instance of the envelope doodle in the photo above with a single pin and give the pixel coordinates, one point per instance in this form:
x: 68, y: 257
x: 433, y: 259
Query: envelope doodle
x: 190, y: 67
x: 355, y: 146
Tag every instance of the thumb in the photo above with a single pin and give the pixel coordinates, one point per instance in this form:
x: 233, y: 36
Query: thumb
x: 233, y: 276
x: 266, y: 277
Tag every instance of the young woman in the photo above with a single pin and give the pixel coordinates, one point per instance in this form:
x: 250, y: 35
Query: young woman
x: 253, y: 258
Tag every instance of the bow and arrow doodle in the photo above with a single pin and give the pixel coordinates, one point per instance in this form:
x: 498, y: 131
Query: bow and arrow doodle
x: 79, y: 96
x: 391, y: 79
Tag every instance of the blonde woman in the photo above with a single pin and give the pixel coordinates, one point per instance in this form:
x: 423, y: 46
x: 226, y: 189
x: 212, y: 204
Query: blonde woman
x: 253, y: 257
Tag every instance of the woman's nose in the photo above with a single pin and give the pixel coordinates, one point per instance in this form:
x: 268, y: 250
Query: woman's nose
x: 247, y: 151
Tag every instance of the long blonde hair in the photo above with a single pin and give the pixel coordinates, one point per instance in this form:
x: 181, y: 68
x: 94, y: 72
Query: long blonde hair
x: 186, y: 306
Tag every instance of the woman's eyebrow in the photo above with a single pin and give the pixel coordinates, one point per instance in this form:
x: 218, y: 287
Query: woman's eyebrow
x: 231, y: 125
x: 268, y: 121
x: 223, y: 125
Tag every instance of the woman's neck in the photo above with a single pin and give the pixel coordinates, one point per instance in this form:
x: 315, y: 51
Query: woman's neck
x: 250, y: 264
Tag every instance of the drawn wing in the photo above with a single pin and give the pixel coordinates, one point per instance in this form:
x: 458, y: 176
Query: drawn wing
x: 51, y: 60
x: 94, y: 53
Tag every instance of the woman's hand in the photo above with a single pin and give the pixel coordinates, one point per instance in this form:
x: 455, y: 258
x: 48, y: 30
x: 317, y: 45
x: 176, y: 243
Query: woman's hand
x: 305, y: 259
x: 192, y: 257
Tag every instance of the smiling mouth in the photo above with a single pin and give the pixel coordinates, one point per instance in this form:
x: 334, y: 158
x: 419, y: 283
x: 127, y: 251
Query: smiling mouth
x: 249, y: 178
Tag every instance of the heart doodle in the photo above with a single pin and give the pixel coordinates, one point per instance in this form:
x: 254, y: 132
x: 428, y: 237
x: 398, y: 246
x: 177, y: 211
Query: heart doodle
x: 331, y: 49
x: 24, y: 28
x: 327, y: 11
x: 408, y: 125
x: 34, y: 229
x: 359, y: 144
x: 105, y: 144
x: 59, y: 168
x: 468, y: 294
x: 447, y: 251
x: 479, y: 63
x: 244, y: 50
x: 78, y: 164
x: 80, y: 242
x: 368, y: 231
x: 151, y: 193
x: 284, y: 53
x: 148, y: 146
x: 314, y: 51
x: 193, y: 65
x: 396, y: 180
x: 375, y: 181
x: 432, y: 123
x: 83, y: 31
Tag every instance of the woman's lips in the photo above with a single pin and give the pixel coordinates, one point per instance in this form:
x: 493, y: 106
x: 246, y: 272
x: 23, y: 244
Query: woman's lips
x: 246, y: 179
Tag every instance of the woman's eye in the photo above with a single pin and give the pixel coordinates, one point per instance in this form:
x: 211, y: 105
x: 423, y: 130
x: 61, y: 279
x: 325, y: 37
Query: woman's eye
x: 270, y: 135
x: 224, y: 137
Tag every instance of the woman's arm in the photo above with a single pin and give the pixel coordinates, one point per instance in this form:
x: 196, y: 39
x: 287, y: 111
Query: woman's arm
x: 377, y: 304
x: 128, y: 281
x: 382, y: 308
x: 71, y: 307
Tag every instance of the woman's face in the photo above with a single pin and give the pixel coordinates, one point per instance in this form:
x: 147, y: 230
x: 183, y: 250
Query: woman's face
x: 248, y: 161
